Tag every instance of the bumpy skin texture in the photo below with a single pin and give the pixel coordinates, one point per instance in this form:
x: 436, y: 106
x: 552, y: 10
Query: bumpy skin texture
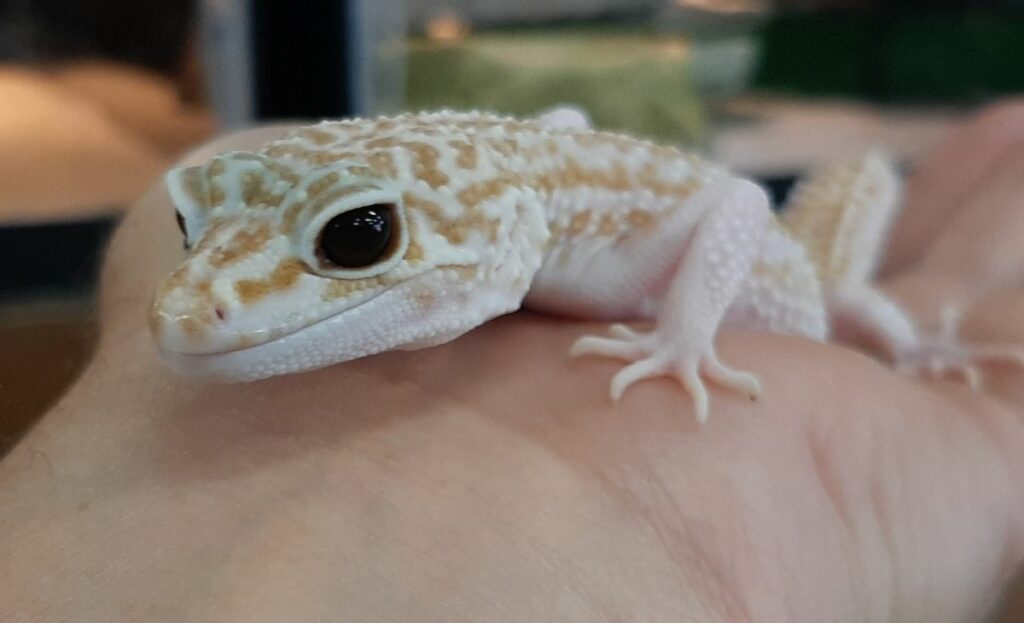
x: 491, y: 212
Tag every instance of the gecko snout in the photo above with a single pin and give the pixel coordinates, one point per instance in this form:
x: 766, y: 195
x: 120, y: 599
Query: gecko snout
x: 190, y: 325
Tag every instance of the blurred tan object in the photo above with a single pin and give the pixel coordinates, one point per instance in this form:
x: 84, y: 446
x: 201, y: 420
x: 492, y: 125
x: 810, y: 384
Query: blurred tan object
x: 781, y: 137
x: 86, y: 139
x: 447, y: 27
x: 141, y: 101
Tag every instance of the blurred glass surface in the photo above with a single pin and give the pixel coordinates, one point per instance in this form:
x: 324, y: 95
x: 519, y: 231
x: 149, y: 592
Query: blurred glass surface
x: 635, y: 66
x: 626, y: 81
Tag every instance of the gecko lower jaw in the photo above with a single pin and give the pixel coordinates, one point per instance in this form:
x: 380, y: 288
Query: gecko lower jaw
x: 305, y: 348
x: 384, y: 322
x: 231, y: 366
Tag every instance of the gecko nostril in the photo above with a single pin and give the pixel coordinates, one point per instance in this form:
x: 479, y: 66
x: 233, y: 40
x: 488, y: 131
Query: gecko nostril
x: 220, y: 313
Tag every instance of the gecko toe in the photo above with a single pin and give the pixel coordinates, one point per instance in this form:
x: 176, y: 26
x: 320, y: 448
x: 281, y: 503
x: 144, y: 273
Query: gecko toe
x: 691, y: 380
x: 733, y: 380
x: 636, y: 371
x: 623, y: 332
x: 936, y: 367
x: 972, y: 376
x: 606, y: 347
x: 951, y: 359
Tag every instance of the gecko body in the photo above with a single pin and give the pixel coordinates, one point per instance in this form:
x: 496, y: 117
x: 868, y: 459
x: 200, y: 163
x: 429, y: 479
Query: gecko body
x: 350, y: 238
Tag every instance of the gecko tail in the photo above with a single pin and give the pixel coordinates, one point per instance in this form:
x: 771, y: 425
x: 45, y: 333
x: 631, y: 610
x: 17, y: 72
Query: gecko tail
x: 842, y: 214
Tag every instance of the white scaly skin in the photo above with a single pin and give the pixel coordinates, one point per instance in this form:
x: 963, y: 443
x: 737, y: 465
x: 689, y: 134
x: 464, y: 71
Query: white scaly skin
x: 491, y: 213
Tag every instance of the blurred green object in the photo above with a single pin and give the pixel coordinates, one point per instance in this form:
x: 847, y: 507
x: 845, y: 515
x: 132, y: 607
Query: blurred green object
x: 636, y: 83
x: 920, y: 56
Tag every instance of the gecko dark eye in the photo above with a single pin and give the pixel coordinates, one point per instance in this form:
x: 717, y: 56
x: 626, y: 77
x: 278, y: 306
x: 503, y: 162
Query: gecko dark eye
x: 358, y: 238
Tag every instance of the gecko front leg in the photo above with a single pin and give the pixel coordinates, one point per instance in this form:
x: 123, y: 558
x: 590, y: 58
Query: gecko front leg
x: 708, y: 276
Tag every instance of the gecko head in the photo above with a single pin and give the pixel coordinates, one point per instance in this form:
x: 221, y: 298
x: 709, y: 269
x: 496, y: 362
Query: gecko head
x: 288, y: 271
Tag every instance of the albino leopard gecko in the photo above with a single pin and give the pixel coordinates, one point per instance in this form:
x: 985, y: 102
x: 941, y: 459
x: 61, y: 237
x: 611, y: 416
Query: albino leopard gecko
x: 354, y: 237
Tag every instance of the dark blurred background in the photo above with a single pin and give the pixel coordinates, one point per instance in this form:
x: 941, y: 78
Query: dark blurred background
x: 150, y: 34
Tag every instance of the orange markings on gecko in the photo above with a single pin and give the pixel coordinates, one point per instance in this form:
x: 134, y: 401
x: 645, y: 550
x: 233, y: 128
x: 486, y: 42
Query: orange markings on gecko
x: 282, y: 278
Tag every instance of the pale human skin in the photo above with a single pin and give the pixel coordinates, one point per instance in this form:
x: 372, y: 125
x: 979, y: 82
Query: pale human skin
x: 490, y: 479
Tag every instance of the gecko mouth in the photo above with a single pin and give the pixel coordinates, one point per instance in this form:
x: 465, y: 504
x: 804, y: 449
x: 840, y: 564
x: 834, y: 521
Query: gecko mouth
x: 386, y: 321
x: 248, y: 341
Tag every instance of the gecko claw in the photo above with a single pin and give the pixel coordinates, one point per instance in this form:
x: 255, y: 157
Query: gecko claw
x: 726, y: 377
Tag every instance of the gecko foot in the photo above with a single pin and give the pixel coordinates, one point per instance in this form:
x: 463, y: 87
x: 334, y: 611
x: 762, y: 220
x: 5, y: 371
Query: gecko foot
x: 944, y: 355
x: 959, y: 361
x: 650, y: 355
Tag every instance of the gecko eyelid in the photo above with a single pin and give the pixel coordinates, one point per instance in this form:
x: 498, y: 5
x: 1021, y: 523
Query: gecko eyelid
x: 362, y: 234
